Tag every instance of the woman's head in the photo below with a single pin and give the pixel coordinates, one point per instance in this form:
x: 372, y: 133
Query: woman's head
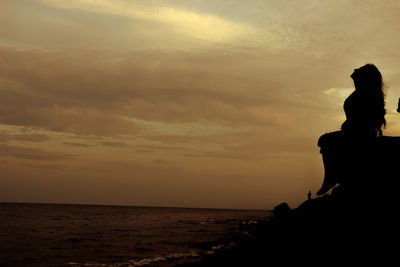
x: 368, y: 79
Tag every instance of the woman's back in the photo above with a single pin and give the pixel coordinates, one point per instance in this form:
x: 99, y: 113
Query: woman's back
x: 364, y: 114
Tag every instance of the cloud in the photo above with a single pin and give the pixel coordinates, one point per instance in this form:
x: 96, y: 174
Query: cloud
x: 4, y: 137
x: 31, y: 153
x: 51, y: 90
x: 115, y: 144
x: 339, y: 92
x: 159, y: 161
x: 76, y: 144
x: 197, y: 25
x: 33, y: 137
x: 172, y: 104
x: 47, y: 166
x: 159, y: 147
x: 172, y: 98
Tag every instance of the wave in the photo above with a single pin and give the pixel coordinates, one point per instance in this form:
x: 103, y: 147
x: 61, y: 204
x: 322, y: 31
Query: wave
x: 139, y: 262
x: 156, y: 259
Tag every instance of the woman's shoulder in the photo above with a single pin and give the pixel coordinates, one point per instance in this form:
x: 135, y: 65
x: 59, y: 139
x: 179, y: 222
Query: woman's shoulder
x: 356, y: 94
x: 349, y: 101
x: 353, y: 95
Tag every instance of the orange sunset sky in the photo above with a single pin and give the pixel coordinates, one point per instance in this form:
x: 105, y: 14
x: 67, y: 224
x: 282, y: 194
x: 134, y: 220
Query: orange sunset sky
x: 206, y: 103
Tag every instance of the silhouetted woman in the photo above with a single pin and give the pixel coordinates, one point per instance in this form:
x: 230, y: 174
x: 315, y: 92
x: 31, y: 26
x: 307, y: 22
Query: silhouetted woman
x: 343, y: 151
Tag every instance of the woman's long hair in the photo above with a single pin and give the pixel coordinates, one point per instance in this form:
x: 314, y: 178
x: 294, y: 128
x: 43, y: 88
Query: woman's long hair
x: 368, y: 80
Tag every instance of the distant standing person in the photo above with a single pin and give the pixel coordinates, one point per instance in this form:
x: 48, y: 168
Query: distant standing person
x: 309, y: 195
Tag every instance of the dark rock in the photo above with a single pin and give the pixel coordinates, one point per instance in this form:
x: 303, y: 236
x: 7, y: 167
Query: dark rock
x: 281, y: 211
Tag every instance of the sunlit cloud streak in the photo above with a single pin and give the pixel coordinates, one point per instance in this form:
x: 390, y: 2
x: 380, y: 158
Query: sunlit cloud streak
x: 206, y: 27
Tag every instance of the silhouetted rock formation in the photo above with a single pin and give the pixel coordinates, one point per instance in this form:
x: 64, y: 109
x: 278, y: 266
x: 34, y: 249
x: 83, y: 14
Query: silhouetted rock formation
x: 282, y: 211
x: 353, y: 225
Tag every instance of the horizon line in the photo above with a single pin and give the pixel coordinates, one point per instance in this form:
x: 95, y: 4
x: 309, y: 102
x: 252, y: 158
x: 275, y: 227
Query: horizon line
x: 122, y: 205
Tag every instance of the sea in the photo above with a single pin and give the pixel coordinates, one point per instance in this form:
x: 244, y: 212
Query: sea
x: 96, y: 235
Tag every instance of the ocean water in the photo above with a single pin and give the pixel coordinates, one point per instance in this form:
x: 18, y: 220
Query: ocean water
x: 92, y: 235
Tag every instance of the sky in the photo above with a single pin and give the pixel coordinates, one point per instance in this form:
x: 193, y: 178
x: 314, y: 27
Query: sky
x: 183, y: 103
